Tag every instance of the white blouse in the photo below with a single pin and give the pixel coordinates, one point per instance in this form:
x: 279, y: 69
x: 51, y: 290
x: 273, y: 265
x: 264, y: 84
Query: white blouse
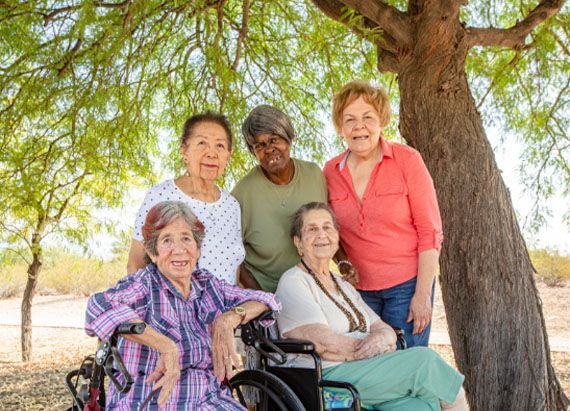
x: 222, y: 250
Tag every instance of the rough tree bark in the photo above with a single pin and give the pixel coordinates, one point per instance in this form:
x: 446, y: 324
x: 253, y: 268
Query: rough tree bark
x: 493, y: 309
x: 26, y: 324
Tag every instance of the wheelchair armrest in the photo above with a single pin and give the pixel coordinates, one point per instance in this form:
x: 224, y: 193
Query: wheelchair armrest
x: 400, y: 337
x: 344, y: 385
x: 252, y: 330
x: 293, y: 346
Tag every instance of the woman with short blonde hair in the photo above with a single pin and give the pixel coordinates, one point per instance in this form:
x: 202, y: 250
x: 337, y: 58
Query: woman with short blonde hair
x: 385, y: 202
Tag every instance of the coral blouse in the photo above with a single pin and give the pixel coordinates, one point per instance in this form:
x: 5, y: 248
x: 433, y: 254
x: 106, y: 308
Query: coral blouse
x: 397, y: 218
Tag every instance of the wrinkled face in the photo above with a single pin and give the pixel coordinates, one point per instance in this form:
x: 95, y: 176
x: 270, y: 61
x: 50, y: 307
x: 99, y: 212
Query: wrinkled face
x: 177, y: 251
x: 206, y: 151
x: 272, y: 152
x: 361, y: 127
x: 319, y: 237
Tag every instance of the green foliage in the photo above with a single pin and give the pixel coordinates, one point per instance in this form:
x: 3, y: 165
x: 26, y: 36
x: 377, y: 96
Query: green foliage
x: 551, y: 266
x: 526, y: 93
x: 93, y: 93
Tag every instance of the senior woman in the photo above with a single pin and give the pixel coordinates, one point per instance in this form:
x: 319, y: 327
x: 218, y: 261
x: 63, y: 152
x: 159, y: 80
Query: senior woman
x: 385, y: 202
x: 269, y: 195
x: 205, y: 146
x: 188, y: 346
x: 355, y: 344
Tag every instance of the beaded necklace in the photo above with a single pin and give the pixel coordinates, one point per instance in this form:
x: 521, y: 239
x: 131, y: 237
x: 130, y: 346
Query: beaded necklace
x: 352, y: 322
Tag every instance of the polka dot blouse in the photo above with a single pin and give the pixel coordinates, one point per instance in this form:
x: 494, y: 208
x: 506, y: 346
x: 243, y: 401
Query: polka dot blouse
x: 222, y: 249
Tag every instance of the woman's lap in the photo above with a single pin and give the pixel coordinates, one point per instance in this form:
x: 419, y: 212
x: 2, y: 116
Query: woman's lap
x: 417, y: 372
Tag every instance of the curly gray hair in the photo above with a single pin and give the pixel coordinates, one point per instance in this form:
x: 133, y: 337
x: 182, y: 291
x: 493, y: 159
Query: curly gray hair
x: 161, y: 215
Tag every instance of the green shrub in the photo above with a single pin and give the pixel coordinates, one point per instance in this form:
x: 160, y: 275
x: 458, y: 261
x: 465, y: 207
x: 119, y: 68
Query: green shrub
x: 551, y: 267
x: 64, y: 273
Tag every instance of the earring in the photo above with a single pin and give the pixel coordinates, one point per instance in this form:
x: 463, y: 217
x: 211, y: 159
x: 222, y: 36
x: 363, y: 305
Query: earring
x: 300, y: 251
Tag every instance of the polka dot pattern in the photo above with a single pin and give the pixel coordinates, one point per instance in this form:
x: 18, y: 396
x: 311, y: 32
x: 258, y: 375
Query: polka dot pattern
x: 222, y: 250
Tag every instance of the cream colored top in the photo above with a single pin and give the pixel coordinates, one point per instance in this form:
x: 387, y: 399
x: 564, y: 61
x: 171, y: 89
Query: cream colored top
x: 305, y: 303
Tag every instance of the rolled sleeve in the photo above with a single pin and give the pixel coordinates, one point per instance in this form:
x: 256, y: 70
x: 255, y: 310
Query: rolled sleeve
x: 117, y: 305
x: 423, y: 204
x: 235, y: 296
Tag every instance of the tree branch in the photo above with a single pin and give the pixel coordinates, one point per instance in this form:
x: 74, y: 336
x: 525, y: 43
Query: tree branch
x: 387, y: 61
x: 386, y: 17
x: 514, y: 37
x: 241, y: 34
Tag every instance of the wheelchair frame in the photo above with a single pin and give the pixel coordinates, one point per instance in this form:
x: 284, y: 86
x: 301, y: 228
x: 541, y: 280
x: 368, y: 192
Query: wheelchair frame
x: 277, y: 386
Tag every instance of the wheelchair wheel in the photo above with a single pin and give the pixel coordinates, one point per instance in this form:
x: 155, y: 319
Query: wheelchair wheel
x: 274, y: 393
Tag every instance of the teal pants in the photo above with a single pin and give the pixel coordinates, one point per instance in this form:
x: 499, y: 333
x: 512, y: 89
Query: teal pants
x: 415, y: 379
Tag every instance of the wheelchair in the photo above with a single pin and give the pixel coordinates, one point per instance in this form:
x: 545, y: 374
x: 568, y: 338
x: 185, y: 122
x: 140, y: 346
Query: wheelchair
x: 271, y: 386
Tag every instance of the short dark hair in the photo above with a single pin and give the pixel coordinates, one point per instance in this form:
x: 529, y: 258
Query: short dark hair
x: 163, y: 214
x: 207, y: 117
x: 297, y: 220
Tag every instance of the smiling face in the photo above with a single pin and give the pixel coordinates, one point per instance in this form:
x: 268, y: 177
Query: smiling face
x: 360, y: 127
x: 177, y: 252
x: 272, y: 152
x: 319, y: 236
x: 206, y: 151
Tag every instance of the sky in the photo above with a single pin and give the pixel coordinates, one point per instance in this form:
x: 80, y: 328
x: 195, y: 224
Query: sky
x: 555, y: 234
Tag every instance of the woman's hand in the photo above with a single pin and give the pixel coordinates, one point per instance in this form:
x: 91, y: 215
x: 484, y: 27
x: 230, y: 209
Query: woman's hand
x: 420, y: 312
x: 166, y: 374
x: 375, y: 343
x: 224, y: 354
x: 348, y: 271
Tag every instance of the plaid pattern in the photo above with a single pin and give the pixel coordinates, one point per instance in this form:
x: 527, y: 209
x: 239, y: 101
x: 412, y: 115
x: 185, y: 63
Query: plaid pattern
x: 149, y: 296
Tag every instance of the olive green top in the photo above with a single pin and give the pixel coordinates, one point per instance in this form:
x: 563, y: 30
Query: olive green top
x: 266, y: 211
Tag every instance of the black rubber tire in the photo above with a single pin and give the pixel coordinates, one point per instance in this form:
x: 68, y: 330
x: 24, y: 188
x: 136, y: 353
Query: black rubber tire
x: 279, y: 392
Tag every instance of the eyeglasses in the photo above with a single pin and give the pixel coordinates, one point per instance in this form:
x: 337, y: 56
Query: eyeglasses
x: 272, y: 141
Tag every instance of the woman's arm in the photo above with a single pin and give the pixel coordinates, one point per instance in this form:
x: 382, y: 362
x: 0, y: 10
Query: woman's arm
x: 328, y: 344
x: 136, y: 257
x: 246, y: 279
x: 224, y: 354
x: 420, y: 306
x: 427, y: 221
x: 348, y: 271
x: 381, y: 339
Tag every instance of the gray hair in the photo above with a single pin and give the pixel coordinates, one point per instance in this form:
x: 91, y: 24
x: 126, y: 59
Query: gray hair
x: 267, y: 119
x: 297, y: 220
x: 161, y: 215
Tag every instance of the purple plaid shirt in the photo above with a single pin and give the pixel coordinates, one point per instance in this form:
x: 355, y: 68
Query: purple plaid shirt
x: 149, y: 296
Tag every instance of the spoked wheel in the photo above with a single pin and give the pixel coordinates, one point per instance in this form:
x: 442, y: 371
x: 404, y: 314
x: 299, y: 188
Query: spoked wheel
x: 273, y: 393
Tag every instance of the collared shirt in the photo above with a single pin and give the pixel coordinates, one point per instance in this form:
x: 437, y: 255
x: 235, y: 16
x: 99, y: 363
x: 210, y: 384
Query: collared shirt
x: 149, y: 296
x: 397, y: 218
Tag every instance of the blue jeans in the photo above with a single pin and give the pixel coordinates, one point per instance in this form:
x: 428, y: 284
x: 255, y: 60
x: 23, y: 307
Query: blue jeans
x: 393, y: 306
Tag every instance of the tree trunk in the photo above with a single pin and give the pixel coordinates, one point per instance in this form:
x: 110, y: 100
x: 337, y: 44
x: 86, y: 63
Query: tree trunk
x: 26, y: 327
x: 491, y: 301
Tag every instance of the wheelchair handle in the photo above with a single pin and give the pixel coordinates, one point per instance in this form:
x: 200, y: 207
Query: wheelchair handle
x: 115, y: 359
x: 130, y: 328
x: 277, y: 355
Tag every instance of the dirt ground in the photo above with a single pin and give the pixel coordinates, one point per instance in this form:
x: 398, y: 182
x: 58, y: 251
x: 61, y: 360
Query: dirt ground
x: 39, y: 385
